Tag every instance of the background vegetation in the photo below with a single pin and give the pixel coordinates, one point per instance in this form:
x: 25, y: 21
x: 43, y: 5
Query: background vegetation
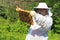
x: 11, y: 28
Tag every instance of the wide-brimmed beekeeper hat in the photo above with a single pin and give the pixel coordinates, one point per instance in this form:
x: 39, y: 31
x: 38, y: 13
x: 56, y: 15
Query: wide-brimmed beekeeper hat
x: 43, y: 5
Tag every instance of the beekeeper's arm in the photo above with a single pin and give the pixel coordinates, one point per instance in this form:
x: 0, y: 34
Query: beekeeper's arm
x: 44, y: 27
x: 47, y: 25
x: 39, y: 21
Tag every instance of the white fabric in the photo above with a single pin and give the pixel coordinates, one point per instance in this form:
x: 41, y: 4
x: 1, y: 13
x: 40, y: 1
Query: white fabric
x: 30, y: 37
x: 38, y: 20
x: 42, y: 5
x: 36, y: 31
x: 49, y: 13
x: 42, y: 24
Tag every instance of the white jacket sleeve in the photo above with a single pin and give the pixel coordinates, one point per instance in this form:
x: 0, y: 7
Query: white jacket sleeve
x: 37, y: 22
x: 47, y: 25
x: 35, y: 27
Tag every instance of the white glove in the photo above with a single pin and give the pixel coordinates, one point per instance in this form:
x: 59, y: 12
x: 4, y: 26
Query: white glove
x: 33, y: 13
x: 40, y: 19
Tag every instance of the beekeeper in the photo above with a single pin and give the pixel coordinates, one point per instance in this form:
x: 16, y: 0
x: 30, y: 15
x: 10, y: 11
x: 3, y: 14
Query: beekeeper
x: 42, y: 23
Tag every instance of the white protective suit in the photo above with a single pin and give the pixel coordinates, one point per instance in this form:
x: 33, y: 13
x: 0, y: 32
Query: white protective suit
x: 42, y: 24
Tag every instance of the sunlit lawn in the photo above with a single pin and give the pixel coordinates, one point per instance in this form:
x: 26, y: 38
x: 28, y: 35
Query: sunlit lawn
x: 54, y: 36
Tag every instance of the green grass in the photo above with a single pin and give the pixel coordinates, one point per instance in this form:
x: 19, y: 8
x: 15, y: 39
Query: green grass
x: 12, y: 36
x: 54, y: 36
x: 9, y: 31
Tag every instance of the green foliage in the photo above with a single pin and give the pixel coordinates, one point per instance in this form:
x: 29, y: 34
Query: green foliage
x: 31, y: 6
x: 56, y: 17
x: 53, y: 36
x: 2, y: 12
x: 12, y: 36
x: 12, y: 14
x: 11, y: 28
x: 13, y: 31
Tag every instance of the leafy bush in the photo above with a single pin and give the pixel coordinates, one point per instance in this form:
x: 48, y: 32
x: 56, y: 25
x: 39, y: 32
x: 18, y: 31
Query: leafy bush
x: 56, y: 17
x: 11, y: 28
x: 2, y: 12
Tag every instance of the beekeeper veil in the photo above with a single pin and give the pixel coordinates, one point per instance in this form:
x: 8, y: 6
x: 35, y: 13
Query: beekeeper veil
x: 43, y: 5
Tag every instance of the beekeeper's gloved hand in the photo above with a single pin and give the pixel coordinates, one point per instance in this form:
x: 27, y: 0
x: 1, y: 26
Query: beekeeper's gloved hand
x: 40, y: 19
x: 33, y: 13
